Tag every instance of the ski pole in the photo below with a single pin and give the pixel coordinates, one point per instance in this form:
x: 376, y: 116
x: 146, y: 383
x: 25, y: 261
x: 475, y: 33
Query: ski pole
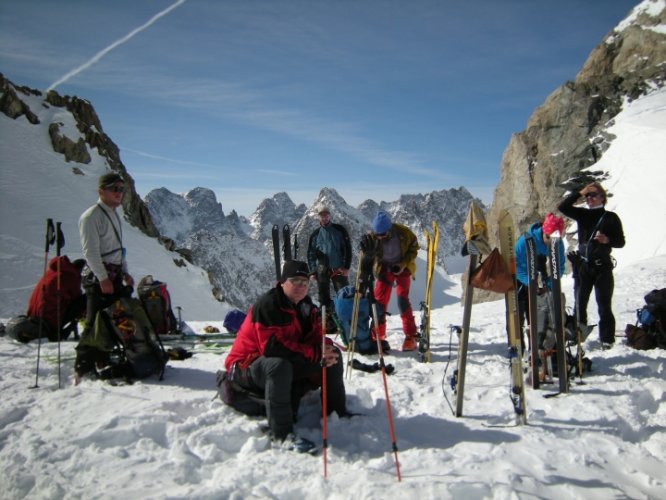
x: 60, y: 242
x: 49, y: 239
x: 354, y: 318
x: 180, y: 319
x: 324, y: 394
x: 389, y: 414
x: 579, y: 334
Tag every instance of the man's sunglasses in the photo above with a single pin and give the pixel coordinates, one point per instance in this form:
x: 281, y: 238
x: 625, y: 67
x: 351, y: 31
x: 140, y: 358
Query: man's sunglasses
x: 591, y: 195
x: 115, y: 189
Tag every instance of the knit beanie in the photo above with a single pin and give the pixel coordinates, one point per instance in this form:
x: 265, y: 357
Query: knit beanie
x: 381, y: 223
x: 294, y: 268
x: 552, y: 223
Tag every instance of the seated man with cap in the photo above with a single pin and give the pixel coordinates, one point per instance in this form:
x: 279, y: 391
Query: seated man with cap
x: 278, y: 354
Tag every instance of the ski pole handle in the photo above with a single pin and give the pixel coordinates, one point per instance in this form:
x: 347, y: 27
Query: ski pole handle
x: 50, y: 234
x: 60, y: 238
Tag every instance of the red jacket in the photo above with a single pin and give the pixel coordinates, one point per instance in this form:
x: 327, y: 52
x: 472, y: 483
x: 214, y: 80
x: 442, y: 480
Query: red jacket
x: 43, y: 301
x: 274, y: 327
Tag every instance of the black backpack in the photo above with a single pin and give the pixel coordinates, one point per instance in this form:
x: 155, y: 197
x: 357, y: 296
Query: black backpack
x: 124, y: 343
x: 650, y: 328
x: 156, y: 301
x: 238, y: 398
x: 26, y: 328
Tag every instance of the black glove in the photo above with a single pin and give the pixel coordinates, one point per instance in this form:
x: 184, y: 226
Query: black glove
x: 368, y: 244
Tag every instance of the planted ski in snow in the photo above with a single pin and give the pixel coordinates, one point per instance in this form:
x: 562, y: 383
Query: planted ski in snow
x: 424, y: 329
x: 517, y: 393
x: 532, y: 285
x: 286, y: 242
x: 558, y: 312
x: 458, y: 383
x: 276, y: 250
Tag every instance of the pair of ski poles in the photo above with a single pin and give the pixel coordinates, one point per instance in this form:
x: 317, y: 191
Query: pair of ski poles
x: 53, y: 235
x: 389, y: 414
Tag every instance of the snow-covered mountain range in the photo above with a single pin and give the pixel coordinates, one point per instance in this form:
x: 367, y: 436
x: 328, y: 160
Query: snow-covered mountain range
x: 196, y: 222
x: 170, y: 439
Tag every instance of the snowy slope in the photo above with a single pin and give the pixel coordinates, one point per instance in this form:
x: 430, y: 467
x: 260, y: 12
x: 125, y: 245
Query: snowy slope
x: 170, y: 439
x: 35, y: 184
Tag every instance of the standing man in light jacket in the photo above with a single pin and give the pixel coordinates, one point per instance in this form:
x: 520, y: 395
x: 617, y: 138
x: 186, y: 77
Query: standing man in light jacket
x: 101, y: 234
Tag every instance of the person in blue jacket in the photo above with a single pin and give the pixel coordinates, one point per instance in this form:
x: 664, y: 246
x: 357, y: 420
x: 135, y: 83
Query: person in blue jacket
x: 541, y: 232
x: 329, y: 256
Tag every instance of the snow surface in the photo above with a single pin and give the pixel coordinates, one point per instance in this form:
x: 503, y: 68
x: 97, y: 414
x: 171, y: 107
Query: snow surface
x: 174, y: 439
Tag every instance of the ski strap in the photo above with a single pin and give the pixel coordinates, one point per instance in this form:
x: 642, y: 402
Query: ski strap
x: 119, y: 234
x: 587, y: 245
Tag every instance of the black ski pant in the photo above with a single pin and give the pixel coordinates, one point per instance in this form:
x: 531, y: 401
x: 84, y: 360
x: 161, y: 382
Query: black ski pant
x: 87, y: 357
x: 95, y: 302
x: 324, y: 282
x: 523, y: 312
x: 69, y: 321
x: 283, y: 382
x: 599, y: 278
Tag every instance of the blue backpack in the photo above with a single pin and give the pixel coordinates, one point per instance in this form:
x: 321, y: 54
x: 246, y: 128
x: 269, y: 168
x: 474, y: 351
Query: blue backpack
x: 233, y: 320
x: 344, y: 304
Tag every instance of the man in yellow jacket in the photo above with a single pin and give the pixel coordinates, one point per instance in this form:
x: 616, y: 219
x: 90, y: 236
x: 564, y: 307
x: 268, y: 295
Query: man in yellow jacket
x: 395, y: 248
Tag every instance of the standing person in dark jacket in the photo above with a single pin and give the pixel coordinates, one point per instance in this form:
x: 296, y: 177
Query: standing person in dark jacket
x: 278, y: 354
x: 329, y: 256
x: 599, y: 231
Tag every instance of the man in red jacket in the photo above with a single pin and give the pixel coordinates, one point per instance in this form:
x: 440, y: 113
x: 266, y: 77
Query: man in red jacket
x: 47, y: 294
x: 278, y: 354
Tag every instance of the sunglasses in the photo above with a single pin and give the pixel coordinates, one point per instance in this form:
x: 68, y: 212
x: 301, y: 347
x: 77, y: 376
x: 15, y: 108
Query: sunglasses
x: 298, y: 281
x: 591, y: 195
x: 381, y: 235
x: 115, y: 189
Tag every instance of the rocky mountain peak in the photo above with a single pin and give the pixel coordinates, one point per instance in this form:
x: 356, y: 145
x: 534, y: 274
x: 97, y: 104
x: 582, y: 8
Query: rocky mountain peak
x: 566, y: 134
x: 77, y: 149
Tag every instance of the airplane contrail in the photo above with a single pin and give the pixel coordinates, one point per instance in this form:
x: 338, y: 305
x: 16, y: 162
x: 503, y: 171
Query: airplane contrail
x: 115, y: 44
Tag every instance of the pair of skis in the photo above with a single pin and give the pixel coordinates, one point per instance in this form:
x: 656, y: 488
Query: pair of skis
x: 517, y: 387
x: 286, y: 247
x: 424, y: 328
x: 556, y: 308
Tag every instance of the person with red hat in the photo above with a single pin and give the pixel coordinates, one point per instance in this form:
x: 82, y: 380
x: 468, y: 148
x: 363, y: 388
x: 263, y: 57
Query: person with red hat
x: 541, y: 232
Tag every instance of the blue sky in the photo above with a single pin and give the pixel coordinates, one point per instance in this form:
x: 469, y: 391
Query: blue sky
x: 249, y: 98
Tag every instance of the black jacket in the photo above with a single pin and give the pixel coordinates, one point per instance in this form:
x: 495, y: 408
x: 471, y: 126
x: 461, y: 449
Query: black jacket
x: 589, y: 222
